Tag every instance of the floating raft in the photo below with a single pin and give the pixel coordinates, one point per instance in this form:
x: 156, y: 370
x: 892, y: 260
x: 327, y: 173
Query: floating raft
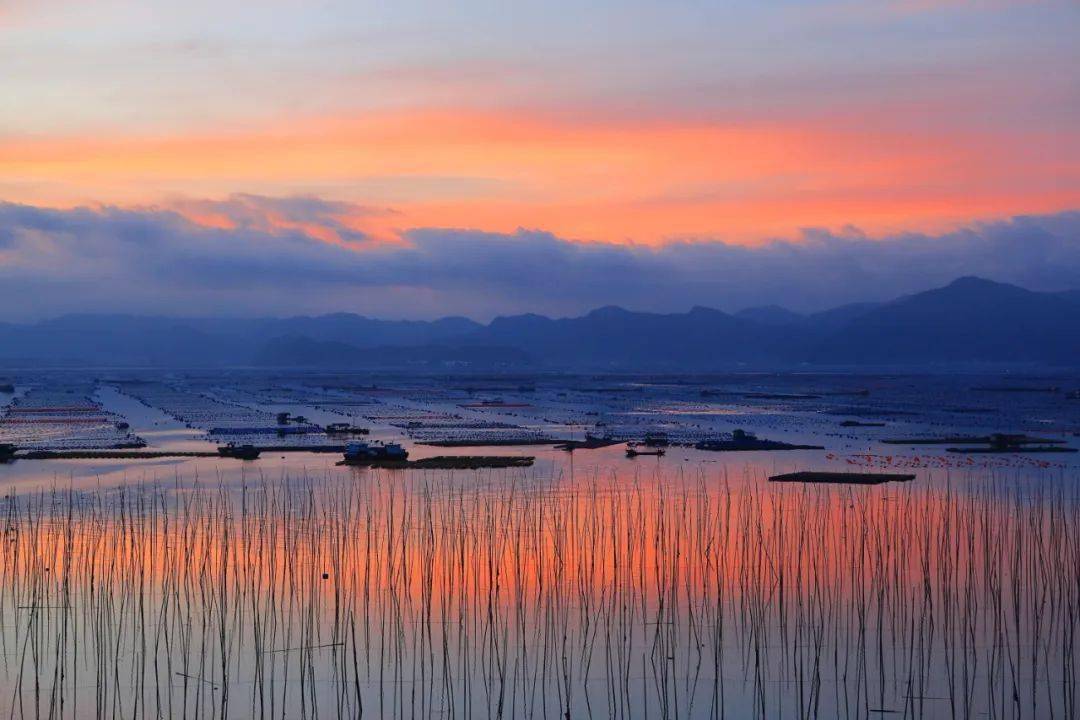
x: 590, y: 444
x: 750, y: 446
x: 270, y: 430
x: 110, y: 454
x: 971, y: 440
x: 1012, y: 449
x: 121, y: 454
x: 631, y: 452
x: 842, y: 478
x: 450, y: 462
x: 479, y: 442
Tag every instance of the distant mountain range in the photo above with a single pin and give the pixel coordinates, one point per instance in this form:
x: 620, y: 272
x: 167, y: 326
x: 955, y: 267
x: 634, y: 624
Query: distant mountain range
x: 971, y: 320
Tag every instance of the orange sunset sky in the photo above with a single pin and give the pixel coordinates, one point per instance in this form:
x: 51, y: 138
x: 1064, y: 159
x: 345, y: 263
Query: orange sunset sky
x: 619, y: 123
x: 275, y: 130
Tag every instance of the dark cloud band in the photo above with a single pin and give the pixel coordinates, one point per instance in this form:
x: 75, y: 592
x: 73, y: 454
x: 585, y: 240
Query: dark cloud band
x: 152, y: 260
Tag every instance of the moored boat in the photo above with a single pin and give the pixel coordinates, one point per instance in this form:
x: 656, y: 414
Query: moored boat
x: 365, y: 453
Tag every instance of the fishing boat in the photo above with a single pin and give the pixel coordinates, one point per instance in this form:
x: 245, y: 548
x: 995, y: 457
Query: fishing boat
x: 240, y: 452
x: 364, y: 453
x: 633, y: 451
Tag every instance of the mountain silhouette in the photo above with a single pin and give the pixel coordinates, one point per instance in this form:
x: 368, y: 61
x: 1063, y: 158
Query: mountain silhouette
x: 971, y: 320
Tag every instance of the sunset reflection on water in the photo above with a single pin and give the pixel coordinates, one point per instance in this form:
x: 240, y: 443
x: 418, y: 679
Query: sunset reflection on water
x: 662, y: 591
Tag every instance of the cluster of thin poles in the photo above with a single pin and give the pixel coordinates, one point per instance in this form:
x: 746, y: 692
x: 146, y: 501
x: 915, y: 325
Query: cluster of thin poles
x: 494, y: 595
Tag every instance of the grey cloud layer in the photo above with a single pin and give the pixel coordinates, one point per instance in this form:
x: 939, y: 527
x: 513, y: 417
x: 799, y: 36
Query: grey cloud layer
x: 156, y: 261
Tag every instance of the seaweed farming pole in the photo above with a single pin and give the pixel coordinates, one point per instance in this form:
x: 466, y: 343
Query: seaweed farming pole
x: 501, y: 593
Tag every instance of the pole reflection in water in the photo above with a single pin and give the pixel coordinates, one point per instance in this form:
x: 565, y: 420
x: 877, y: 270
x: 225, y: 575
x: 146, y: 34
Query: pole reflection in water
x: 498, y: 594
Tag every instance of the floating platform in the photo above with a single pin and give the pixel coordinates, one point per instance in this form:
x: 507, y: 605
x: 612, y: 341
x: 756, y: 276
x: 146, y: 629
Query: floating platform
x: 743, y: 441
x: 632, y: 452
x: 750, y: 446
x: 346, y: 429
x: 303, y: 448
x: 157, y: 454
x: 491, y: 443
x: 269, y: 430
x: 1011, y: 450
x: 974, y: 440
x: 111, y: 454
x: 842, y: 478
x: 589, y: 444
x: 449, y: 462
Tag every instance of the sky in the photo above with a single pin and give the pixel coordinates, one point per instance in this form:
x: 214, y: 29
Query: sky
x: 412, y: 159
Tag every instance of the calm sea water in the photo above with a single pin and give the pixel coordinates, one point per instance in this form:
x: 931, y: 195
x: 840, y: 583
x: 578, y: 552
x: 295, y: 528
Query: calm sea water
x: 589, y: 585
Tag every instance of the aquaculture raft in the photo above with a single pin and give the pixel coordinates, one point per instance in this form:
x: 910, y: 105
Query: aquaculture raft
x: 590, y: 443
x: 634, y: 452
x: 122, y: 454
x: 1010, y: 449
x: 995, y: 439
x: 842, y: 478
x: 448, y: 462
x: 491, y: 442
x: 742, y: 441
